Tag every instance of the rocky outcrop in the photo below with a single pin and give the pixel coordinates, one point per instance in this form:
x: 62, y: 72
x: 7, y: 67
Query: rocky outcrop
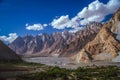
x: 105, y: 42
x: 56, y: 44
x: 6, y: 54
x: 81, y: 39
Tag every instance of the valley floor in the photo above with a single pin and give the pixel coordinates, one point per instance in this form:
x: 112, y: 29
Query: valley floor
x: 64, y: 62
x: 59, y: 69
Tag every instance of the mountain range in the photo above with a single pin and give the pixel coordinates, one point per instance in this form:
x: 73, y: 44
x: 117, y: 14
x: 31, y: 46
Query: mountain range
x: 95, y: 41
x: 56, y: 44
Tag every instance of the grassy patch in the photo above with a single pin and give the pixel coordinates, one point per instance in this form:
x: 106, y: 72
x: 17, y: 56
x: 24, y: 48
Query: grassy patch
x: 86, y: 73
x: 42, y: 72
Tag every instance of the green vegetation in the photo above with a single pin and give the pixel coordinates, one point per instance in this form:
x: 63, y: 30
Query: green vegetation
x: 43, y: 72
x: 82, y: 73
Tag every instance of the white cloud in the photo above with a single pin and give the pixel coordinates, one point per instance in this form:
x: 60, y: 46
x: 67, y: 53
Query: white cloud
x: 61, y: 22
x: 35, y: 27
x: 45, y: 25
x: 10, y: 38
x: 64, y: 22
x: 97, y: 11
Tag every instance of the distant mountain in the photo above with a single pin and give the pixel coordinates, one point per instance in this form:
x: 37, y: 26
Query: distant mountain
x: 106, y: 45
x: 6, y: 54
x: 56, y: 44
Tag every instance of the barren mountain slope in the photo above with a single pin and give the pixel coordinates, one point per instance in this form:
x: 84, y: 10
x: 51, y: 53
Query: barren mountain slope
x: 105, y: 44
x: 6, y: 54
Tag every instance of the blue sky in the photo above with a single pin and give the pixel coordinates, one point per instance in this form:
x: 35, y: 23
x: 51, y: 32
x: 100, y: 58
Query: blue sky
x: 23, y: 17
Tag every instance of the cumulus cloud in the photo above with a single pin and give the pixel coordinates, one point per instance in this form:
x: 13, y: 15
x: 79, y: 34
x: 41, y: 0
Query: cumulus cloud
x: 35, y: 27
x: 61, y: 22
x: 10, y: 38
x: 64, y: 22
x: 97, y: 11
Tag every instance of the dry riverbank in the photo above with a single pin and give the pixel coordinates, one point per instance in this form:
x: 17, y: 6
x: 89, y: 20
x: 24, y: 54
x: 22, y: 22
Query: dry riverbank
x: 65, y: 62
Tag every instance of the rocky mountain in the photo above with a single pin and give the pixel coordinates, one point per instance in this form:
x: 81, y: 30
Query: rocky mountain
x: 81, y: 38
x: 6, y: 54
x: 56, y: 44
x: 106, y: 45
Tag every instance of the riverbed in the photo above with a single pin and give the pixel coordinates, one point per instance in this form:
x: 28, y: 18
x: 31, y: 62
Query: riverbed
x: 65, y: 62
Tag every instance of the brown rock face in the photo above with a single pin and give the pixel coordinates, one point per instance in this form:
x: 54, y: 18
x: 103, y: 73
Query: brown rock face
x: 104, y: 42
x: 56, y: 44
x: 81, y: 39
x: 6, y: 54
